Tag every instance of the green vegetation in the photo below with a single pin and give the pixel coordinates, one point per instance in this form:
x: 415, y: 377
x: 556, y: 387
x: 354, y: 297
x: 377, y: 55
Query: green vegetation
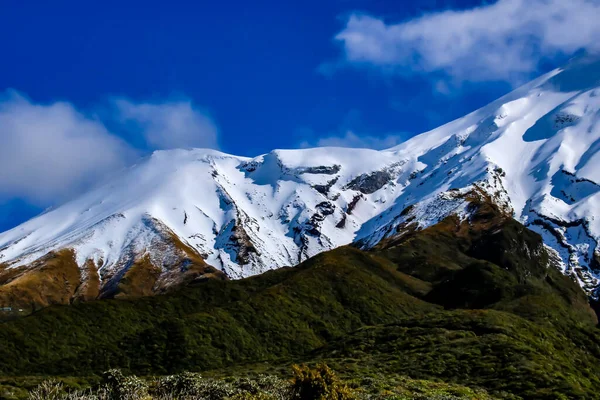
x: 441, y: 312
x: 319, y: 383
x: 491, y: 349
x: 217, y: 323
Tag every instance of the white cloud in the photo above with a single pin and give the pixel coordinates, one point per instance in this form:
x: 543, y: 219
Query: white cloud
x: 350, y: 139
x: 171, y: 124
x: 500, y: 41
x: 50, y: 152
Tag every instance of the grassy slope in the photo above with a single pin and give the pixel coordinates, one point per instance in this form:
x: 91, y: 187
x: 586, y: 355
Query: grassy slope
x: 473, y: 303
x: 53, y: 279
x: 491, y: 349
x: 57, y: 279
x: 279, y: 314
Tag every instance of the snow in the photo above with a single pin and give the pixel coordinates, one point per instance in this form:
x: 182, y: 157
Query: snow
x: 535, y: 150
x: 197, y: 194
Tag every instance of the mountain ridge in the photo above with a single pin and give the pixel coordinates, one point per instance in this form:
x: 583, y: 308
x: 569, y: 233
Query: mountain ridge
x: 533, y: 152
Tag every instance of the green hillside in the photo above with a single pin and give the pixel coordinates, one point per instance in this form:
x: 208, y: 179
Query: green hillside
x: 476, y: 303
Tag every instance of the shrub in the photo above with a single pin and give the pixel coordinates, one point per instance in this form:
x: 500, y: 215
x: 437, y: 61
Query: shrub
x: 190, y: 385
x: 180, y: 385
x: 320, y: 383
x: 265, y: 387
x: 101, y: 393
x: 252, y: 396
x: 123, y: 387
x: 275, y: 387
x: 214, y: 389
x: 47, y: 390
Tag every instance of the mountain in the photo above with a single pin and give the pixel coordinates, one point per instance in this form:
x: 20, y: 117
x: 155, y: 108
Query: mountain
x: 182, y: 216
x: 477, y: 302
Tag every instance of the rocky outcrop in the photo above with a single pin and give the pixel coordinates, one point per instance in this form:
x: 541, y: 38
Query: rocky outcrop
x: 370, y: 183
x: 321, y: 170
x: 324, y: 189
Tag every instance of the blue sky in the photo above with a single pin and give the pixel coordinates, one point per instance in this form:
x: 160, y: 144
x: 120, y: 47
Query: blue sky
x: 86, y: 89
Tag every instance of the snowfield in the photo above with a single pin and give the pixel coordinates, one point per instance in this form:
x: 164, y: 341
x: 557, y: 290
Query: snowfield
x: 534, y: 151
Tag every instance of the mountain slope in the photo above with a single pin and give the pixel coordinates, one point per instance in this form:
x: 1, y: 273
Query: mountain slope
x: 532, y: 333
x: 534, y: 153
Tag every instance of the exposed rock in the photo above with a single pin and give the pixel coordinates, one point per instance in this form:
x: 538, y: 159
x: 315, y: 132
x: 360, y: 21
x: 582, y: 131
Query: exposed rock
x: 370, y: 183
x: 321, y: 170
x: 324, y: 189
x: 562, y: 119
x: 407, y: 210
x: 595, y: 264
x: 243, y: 243
x: 170, y: 264
x: 325, y: 208
x: 352, y: 205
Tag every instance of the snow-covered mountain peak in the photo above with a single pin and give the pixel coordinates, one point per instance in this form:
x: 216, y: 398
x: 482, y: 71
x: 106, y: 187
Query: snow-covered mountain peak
x: 534, y: 152
x: 536, y: 149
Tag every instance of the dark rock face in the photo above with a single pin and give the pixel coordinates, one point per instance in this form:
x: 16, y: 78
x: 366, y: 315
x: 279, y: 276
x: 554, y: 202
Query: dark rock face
x: 236, y: 241
x: 249, y: 166
x: 370, y: 183
x: 240, y: 238
x: 352, y: 205
x: 326, y: 208
x: 234, y: 237
x: 562, y: 119
x: 324, y: 189
x: 323, y: 209
x: 322, y: 170
x: 596, y: 261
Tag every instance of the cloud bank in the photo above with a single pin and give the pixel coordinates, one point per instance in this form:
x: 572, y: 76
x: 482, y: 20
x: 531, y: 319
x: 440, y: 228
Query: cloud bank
x: 170, y: 125
x: 51, y: 152
x: 501, y: 41
x: 351, y: 139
